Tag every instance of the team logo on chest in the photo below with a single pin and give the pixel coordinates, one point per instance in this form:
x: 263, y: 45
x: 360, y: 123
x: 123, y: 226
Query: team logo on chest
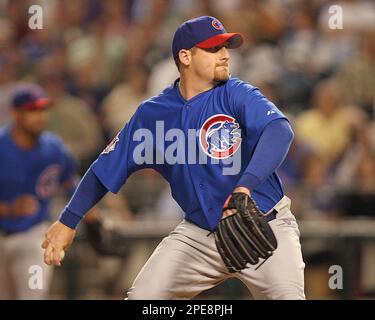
x: 48, y: 182
x: 220, y: 136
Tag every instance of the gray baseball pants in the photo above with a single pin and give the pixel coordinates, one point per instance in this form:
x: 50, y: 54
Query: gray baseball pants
x: 187, y: 262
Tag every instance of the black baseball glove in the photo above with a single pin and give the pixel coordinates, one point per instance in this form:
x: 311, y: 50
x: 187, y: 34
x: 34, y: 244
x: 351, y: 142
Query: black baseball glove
x: 244, y: 237
x: 105, y: 241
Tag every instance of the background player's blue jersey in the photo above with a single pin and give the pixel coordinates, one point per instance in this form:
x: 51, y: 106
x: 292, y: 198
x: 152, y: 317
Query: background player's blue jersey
x: 38, y: 172
x: 233, y: 107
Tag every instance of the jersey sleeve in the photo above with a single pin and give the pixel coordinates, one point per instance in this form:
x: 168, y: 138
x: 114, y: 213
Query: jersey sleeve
x: 115, y: 164
x: 253, y: 110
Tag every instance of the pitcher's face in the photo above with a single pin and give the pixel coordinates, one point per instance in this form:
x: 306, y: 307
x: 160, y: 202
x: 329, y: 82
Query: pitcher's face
x: 211, y: 64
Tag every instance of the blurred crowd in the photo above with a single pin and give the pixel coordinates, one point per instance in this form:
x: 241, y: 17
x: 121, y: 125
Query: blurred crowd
x: 99, y: 59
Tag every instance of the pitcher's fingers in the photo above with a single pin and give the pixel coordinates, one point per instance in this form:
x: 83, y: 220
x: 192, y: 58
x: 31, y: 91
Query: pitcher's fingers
x: 45, y: 243
x: 48, y: 255
x: 56, y: 260
x: 229, y: 212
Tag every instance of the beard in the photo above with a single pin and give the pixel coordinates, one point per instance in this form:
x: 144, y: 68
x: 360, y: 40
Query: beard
x: 221, y: 74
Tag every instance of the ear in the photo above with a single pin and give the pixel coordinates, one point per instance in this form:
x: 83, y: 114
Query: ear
x: 14, y: 113
x: 17, y: 114
x: 185, y: 57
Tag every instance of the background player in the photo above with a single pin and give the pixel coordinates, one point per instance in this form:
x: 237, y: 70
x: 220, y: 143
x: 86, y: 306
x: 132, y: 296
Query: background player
x: 207, y: 99
x: 34, y: 165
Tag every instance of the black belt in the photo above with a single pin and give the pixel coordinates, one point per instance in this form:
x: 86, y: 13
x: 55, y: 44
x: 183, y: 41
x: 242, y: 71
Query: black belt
x: 271, y: 216
x: 3, y: 233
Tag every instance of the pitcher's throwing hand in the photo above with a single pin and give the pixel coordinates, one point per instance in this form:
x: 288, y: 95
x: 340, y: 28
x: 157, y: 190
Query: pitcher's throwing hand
x: 57, y: 241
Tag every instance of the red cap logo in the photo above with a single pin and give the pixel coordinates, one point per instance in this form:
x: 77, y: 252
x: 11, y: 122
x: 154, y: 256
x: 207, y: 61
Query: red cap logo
x: 217, y: 24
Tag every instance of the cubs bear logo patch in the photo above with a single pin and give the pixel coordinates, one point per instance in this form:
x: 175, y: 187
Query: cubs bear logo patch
x: 220, y: 136
x: 48, y: 181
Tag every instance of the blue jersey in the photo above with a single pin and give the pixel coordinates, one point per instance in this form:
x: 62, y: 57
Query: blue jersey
x: 38, y: 172
x: 217, y: 126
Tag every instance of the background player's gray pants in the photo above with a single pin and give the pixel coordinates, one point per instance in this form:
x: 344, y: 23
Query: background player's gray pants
x: 187, y: 262
x: 23, y: 275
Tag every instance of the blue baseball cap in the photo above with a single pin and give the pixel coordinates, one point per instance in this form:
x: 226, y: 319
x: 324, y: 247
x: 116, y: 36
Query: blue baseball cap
x: 203, y: 32
x: 30, y: 97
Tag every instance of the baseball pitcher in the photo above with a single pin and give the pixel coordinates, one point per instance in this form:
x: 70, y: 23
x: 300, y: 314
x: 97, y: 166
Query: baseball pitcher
x: 218, y: 142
